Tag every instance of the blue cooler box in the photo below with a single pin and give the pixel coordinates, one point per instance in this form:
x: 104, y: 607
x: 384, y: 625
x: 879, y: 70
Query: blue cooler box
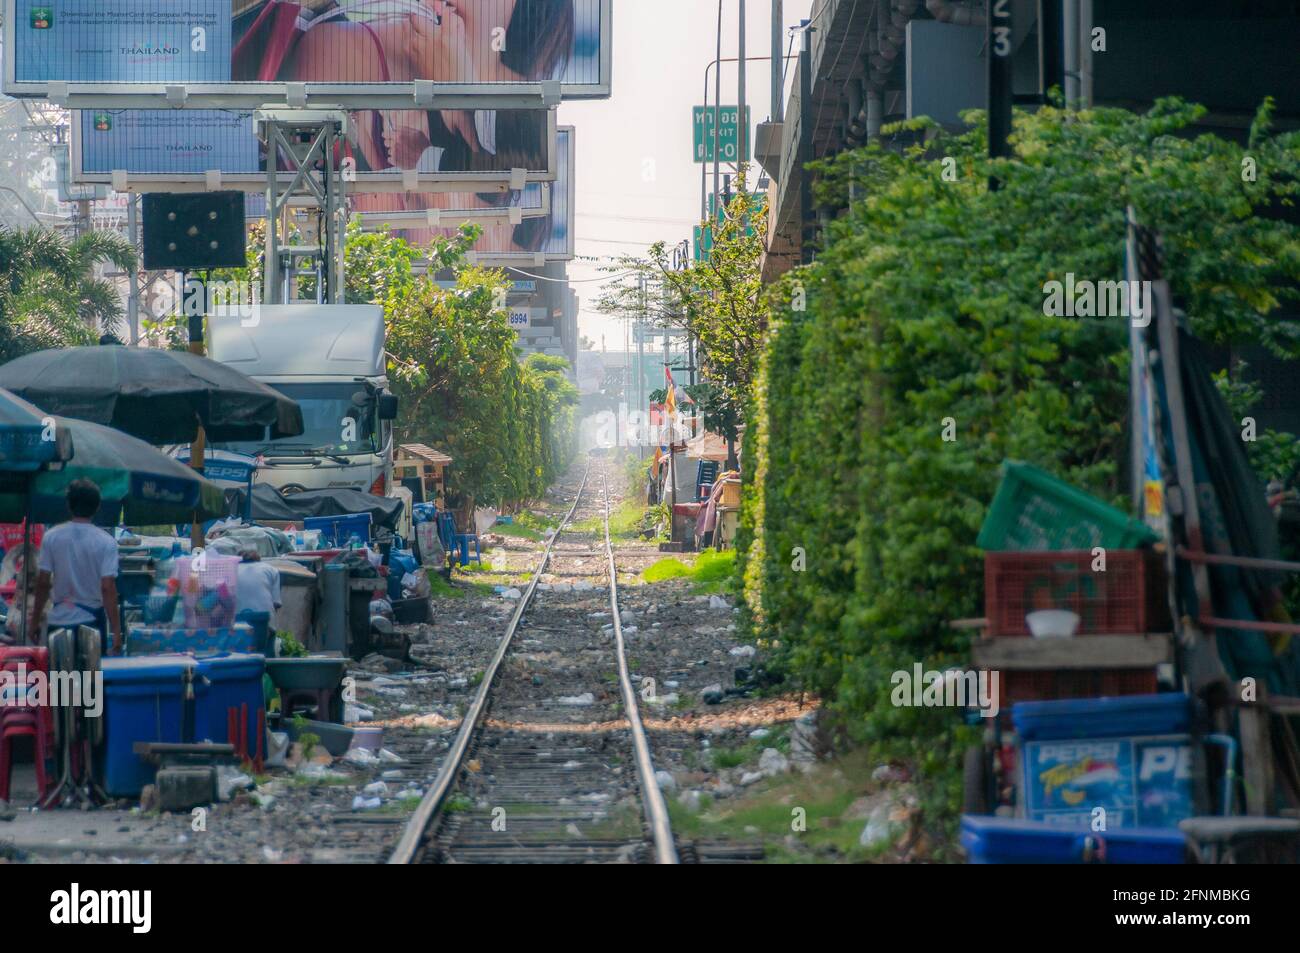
x: 1166, y: 714
x: 144, y: 700
x: 1002, y: 840
x: 224, y: 682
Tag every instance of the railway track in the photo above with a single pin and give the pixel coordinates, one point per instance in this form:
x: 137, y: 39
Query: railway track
x: 551, y: 762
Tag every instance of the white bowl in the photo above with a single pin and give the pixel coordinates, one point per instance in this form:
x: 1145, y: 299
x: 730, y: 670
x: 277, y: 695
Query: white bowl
x: 1052, y: 623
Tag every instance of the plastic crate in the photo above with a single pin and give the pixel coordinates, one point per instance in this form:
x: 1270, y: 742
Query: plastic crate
x: 1033, y: 511
x: 1016, y: 686
x: 1129, y: 598
x: 1165, y: 714
x: 730, y: 493
x: 337, y: 530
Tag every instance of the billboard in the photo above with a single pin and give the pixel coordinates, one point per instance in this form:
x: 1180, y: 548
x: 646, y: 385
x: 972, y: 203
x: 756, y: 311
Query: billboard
x: 533, y: 238
x: 378, y: 53
x: 177, y: 148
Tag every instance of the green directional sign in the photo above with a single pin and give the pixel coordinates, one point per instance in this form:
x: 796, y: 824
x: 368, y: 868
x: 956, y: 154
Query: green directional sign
x: 702, y: 121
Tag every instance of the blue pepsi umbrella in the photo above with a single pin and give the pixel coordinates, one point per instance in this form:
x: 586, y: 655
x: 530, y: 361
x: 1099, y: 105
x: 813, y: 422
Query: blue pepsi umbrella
x: 29, y: 437
x: 138, y: 483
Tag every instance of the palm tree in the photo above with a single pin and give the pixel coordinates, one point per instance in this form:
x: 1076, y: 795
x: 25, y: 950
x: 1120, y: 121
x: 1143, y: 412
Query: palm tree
x: 50, y: 295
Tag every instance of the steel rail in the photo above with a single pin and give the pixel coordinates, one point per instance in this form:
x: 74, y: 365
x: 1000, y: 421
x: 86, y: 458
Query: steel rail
x: 412, y: 837
x: 656, y: 812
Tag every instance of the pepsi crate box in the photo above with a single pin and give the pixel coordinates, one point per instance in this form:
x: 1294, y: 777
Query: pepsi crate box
x: 1115, y: 782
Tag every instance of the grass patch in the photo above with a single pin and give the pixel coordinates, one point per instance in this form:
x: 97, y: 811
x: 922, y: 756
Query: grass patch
x: 824, y: 795
x: 666, y: 569
x: 625, y: 522
x: 440, y: 588
x: 538, y: 523
x: 714, y: 570
x: 516, y: 531
x: 711, y: 572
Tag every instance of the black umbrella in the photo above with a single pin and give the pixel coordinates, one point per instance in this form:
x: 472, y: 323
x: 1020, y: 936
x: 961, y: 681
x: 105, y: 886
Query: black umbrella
x: 159, y: 396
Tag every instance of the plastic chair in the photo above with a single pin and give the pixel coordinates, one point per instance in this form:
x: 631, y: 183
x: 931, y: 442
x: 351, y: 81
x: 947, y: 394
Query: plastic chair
x: 456, y: 542
x: 706, y: 474
x: 23, y: 720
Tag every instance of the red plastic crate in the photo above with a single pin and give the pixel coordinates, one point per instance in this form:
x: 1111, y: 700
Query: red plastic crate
x: 1029, y: 686
x: 1129, y: 598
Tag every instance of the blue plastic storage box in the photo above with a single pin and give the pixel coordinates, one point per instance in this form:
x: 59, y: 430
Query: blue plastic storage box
x: 1003, y: 840
x: 337, y: 530
x: 224, y: 682
x: 1165, y: 714
x: 144, y: 700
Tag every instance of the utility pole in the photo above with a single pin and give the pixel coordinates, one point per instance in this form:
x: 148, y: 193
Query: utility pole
x: 133, y: 273
x: 1000, y: 88
x: 742, y: 127
x: 717, y: 111
x: 806, y: 218
x: 640, y: 366
x: 778, y: 105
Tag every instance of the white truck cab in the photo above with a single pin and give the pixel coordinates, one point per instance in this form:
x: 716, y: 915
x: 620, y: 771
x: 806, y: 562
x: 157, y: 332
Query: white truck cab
x: 330, y: 359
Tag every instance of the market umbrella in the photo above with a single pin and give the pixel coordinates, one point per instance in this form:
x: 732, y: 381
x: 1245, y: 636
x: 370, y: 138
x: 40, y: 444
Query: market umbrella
x: 28, y: 439
x: 159, y: 396
x: 139, y: 484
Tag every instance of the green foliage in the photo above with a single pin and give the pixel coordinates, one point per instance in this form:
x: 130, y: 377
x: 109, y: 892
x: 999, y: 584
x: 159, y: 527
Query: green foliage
x: 926, y: 303
x: 714, y: 570
x: 50, y: 294
x: 666, y: 569
x: 509, y: 426
x: 1274, y: 455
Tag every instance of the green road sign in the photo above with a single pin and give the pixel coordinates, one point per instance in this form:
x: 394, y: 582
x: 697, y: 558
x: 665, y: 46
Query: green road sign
x: 702, y: 120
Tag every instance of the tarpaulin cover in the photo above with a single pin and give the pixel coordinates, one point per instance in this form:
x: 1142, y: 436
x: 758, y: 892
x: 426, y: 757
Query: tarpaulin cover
x: 158, y: 396
x: 270, y: 504
x: 1235, y: 520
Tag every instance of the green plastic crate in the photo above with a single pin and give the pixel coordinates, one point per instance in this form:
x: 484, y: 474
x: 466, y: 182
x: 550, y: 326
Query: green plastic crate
x: 1033, y: 511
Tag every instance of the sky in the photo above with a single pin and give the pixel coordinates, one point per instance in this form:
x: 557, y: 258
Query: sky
x: 636, y: 183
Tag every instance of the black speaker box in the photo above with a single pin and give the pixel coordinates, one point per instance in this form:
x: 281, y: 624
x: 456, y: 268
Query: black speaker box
x: 194, y: 232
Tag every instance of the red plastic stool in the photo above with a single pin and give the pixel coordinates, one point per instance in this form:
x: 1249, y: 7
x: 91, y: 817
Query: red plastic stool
x: 24, y: 720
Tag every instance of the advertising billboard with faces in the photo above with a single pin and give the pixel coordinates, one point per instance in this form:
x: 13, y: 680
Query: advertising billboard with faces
x: 348, y: 52
x: 176, y: 148
x: 502, y: 241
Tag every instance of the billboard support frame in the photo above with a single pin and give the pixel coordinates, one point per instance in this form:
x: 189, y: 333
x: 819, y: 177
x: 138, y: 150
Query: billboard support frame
x: 325, y: 130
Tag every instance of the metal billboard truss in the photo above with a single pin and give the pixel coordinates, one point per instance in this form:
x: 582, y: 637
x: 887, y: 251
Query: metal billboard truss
x: 362, y: 54
x: 215, y: 137
x: 308, y: 138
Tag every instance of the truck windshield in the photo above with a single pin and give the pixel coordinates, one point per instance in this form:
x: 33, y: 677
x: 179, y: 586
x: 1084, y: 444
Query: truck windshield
x: 333, y: 424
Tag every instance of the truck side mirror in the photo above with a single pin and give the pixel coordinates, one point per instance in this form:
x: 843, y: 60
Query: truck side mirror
x: 387, y: 407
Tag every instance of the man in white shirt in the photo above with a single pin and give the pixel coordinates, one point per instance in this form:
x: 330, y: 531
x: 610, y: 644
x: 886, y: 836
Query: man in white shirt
x: 78, y: 569
x: 257, y: 595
